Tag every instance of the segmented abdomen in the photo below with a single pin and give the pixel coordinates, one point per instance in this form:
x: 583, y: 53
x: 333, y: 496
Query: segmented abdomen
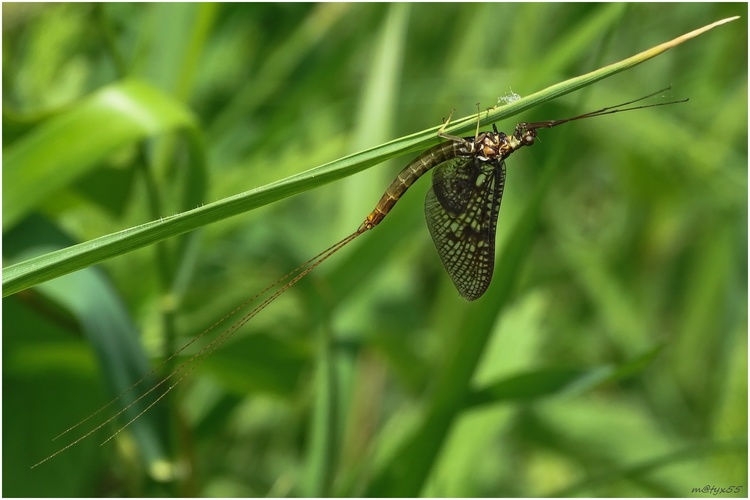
x: 408, y: 176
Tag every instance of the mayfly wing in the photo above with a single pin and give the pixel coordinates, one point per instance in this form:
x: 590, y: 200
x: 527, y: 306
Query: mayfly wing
x: 453, y: 184
x: 461, y: 210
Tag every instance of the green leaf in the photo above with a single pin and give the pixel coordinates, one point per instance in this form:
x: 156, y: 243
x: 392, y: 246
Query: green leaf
x: 69, y: 145
x: 105, y: 322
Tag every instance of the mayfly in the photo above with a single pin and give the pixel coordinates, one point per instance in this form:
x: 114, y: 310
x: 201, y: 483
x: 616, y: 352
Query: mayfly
x: 461, y: 209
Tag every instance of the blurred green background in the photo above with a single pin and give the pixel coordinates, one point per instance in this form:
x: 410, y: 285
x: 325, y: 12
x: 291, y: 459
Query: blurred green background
x: 609, y: 357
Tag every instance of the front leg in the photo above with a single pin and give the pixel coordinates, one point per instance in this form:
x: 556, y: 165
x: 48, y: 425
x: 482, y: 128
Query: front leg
x: 441, y: 133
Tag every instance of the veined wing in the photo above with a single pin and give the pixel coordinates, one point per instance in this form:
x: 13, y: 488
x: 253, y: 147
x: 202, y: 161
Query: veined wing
x: 461, y: 209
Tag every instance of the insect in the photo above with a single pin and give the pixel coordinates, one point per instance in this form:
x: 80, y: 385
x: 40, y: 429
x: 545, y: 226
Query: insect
x: 461, y: 209
x: 463, y: 203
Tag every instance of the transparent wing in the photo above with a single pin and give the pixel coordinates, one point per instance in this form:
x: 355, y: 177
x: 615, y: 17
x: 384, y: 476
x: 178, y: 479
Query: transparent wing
x: 461, y: 210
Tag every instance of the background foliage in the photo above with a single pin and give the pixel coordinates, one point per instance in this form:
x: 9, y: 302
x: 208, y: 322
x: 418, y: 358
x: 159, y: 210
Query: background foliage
x: 613, y: 340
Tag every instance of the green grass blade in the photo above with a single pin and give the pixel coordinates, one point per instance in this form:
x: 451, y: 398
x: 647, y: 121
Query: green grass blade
x: 23, y: 275
x: 554, y: 381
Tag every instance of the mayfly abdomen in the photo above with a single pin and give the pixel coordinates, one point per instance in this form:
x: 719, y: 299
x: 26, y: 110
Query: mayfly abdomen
x: 408, y: 176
